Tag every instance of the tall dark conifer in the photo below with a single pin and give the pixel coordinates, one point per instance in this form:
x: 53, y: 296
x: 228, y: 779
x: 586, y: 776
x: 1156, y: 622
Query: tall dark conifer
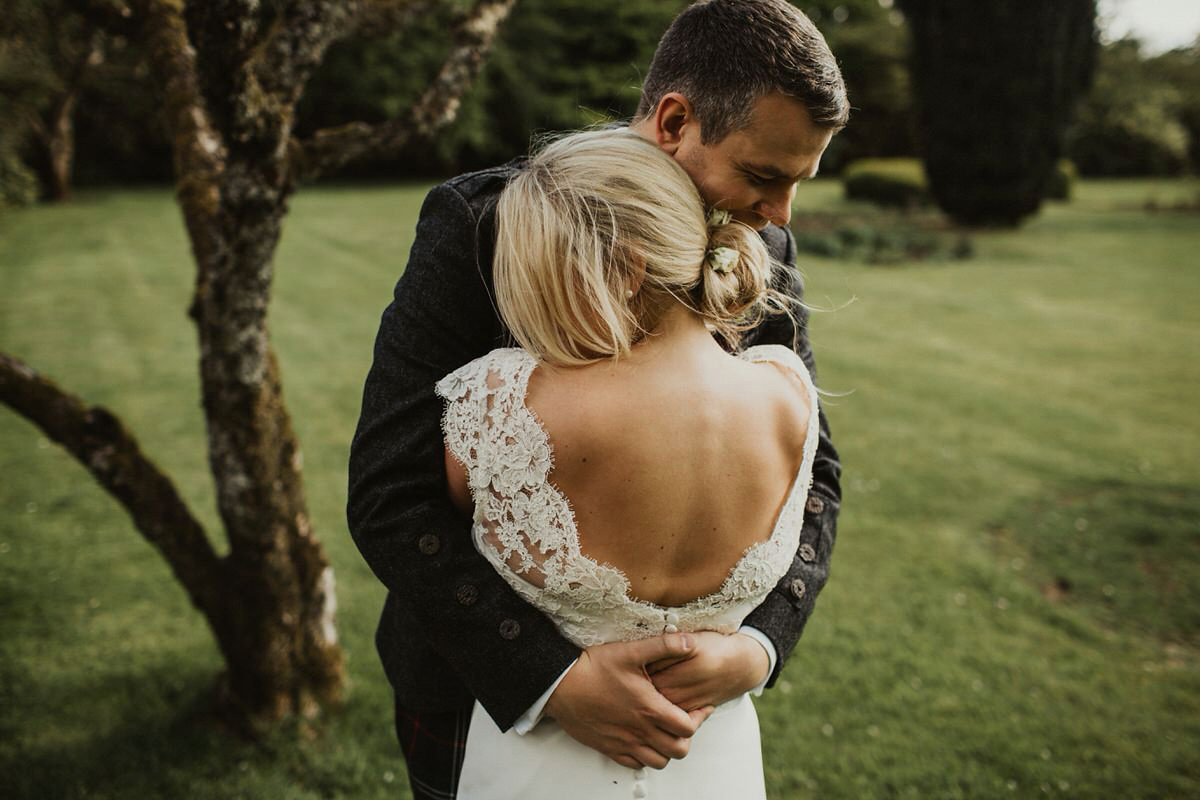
x: 995, y: 82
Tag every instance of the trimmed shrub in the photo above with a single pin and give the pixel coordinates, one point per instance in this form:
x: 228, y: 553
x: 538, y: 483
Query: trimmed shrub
x: 18, y: 184
x: 1062, y: 182
x: 880, y: 237
x: 887, y: 182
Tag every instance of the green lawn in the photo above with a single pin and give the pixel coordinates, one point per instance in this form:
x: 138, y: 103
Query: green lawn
x: 1014, y: 609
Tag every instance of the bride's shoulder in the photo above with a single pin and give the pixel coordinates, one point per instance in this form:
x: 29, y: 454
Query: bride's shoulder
x: 797, y: 396
x: 785, y: 359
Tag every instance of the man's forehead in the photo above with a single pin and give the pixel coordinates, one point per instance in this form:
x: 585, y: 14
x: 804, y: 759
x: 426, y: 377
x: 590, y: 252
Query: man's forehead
x: 777, y: 156
x: 778, y: 110
x: 781, y: 140
x: 769, y: 170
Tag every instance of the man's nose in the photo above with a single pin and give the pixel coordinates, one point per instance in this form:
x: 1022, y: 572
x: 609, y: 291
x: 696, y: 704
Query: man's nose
x: 776, y: 206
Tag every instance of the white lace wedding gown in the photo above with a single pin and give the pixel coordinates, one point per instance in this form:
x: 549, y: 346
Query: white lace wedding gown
x: 525, y: 527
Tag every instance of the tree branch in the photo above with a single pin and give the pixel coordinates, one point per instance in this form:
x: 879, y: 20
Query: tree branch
x: 331, y: 148
x: 199, y: 151
x: 102, y: 444
x: 295, y: 44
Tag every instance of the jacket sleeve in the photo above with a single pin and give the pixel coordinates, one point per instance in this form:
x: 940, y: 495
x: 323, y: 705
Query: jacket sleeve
x: 399, y: 513
x: 782, y: 616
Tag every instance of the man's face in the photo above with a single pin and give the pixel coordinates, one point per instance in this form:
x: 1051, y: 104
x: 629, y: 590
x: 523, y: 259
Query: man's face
x: 753, y: 172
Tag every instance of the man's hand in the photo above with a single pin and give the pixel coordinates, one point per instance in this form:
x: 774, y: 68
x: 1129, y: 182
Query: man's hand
x: 719, y: 668
x: 607, y: 702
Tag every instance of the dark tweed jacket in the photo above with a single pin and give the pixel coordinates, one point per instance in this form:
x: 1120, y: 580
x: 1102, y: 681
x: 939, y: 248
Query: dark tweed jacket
x: 452, y: 629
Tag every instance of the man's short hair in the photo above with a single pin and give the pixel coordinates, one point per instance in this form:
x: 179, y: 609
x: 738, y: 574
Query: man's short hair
x: 723, y: 55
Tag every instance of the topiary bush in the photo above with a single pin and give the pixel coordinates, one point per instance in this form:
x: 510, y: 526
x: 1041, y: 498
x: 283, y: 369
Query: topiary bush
x: 1062, y: 181
x: 18, y: 185
x: 875, y: 236
x: 897, y: 182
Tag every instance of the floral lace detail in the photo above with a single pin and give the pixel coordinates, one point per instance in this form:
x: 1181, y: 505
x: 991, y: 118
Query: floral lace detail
x: 525, y: 526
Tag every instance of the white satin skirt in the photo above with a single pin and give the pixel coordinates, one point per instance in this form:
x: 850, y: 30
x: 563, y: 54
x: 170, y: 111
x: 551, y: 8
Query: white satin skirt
x: 724, y: 761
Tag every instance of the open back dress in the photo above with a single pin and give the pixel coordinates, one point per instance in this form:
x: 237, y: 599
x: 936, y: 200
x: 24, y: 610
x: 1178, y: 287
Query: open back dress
x: 525, y: 527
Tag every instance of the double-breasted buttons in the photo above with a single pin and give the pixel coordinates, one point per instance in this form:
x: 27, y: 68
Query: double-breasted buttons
x: 466, y: 594
x: 429, y: 544
x: 798, y: 588
x: 510, y: 629
x: 814, y: 504
x: 807, y: 553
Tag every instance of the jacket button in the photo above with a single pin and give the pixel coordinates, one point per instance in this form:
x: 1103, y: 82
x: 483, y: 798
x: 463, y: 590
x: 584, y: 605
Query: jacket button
x: 814, y: 504
x: 798, y: 588
x: 807, y: 553
x: 466, y: 594
x: 429, y: 544
x: 510, y: 629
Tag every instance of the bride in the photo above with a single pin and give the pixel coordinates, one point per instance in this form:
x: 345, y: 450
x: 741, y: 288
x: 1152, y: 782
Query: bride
x: 626, y: 474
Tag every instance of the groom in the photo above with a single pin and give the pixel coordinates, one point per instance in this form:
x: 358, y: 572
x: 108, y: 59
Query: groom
x: 745, y: 95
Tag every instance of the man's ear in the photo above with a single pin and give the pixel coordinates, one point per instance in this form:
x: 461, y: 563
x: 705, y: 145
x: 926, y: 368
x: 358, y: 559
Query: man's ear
x: 671, y: 120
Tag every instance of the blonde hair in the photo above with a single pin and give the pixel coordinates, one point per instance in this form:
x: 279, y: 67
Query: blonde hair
x: 595, y: 213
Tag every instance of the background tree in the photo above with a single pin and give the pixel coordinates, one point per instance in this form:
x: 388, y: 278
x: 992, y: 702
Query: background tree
x: 1142, y: 116
x: 557, y: 65
x: 230, y: 73
x: 47, y: 50
x: 1181, y: 68
x: 995, y: 82
x: 871, y: 44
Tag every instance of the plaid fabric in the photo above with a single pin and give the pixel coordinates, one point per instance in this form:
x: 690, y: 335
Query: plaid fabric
x: 433, y: 744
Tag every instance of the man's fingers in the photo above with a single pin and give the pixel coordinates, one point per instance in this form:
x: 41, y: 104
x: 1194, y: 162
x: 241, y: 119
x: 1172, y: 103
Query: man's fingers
x: 627, y: 761
x: 669, y: 746
x: 655, y: 667
x: 647, y: 651
x: 699, y: 715
x: 670, y: 677
x: 650, y: 757
x: 670, y: 717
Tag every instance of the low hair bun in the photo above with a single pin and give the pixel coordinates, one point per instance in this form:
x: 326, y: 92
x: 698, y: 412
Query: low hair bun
x: 734, y: 279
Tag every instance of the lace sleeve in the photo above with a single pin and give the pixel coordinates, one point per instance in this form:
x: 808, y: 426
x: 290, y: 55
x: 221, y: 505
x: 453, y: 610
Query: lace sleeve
x: 508, y: 460
x: 464, y: 391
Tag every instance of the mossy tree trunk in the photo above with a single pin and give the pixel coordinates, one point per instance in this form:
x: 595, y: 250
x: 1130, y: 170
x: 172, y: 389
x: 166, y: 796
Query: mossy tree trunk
x: 230, y: 74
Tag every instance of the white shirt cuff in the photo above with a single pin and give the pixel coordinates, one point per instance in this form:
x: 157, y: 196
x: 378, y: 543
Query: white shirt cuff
x: 533, y: 716
x: 772, y: 656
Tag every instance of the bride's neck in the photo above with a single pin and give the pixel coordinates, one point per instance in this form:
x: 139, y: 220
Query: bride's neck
x: 680, y: 330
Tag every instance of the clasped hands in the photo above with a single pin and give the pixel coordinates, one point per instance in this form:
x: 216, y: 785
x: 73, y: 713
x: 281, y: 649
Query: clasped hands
x: 640, y: 703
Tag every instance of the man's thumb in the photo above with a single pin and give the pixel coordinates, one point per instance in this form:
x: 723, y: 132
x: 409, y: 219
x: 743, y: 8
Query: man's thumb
x: 672, y: 645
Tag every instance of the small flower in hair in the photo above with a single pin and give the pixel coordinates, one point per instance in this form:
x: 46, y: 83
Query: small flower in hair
x: 721, y: 259
x: 718, y: 217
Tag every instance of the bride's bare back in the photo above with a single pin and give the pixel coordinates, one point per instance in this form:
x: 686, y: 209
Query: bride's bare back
x: 673, y: 467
